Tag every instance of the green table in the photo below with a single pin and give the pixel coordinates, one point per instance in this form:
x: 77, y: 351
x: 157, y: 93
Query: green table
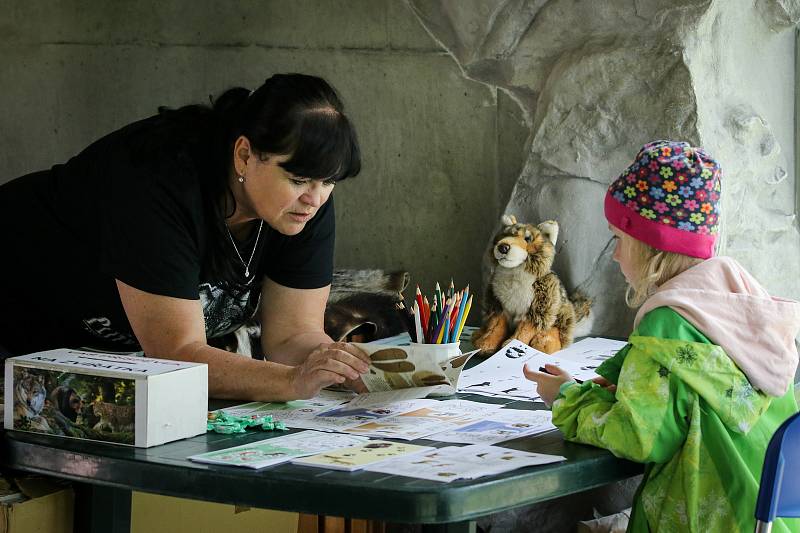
x: 107, y: 474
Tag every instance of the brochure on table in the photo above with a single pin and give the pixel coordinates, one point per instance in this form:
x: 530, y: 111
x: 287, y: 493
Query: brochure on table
x: 357, y: 457
x: 415, y: 365
x: 499, y: 426
x: 433, y: 417
x: 457, y: 462
x: 278, y: 450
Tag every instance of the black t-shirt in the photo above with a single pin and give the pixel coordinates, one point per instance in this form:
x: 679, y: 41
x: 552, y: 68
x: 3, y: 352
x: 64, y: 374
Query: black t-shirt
x: 131, y: 207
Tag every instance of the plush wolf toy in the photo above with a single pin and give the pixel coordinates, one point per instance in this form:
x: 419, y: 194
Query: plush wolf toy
x: 524, y: 299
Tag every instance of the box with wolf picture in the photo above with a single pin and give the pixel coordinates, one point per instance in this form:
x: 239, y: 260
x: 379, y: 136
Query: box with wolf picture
x: 121, y: 399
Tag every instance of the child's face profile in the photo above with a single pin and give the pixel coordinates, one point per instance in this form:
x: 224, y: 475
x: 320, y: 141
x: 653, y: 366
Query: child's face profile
x: 623, y: 255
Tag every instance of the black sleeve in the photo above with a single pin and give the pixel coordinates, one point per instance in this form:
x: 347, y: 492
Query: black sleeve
x: 305, y: 260
x: 154, y: 240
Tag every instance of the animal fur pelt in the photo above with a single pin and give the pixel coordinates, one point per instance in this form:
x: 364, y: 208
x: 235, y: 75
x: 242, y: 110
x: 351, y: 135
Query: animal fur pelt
x: 524, y: 299
x: 361, y: 306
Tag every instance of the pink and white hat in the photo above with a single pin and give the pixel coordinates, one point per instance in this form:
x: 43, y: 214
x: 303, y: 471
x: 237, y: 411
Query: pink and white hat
x: 669, y: 199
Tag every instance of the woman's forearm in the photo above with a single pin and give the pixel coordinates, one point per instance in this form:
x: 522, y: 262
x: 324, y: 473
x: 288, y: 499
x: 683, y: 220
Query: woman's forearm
x: 237, y: 377
x: 294, y: 349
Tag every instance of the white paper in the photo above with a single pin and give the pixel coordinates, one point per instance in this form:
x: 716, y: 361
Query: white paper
x: 501, y: 375
x: 468, y: 462
x: 432, y: 418
x: 278, y: 450
x: 499, y: 426
x: 344, y: 417
x: 295, y: 412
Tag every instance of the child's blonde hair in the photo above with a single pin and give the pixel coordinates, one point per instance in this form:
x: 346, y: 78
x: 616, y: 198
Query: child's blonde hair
x: 653, y: 268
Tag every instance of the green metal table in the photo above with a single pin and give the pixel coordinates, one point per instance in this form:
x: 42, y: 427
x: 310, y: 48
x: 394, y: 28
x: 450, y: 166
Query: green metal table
x: 106, y: 475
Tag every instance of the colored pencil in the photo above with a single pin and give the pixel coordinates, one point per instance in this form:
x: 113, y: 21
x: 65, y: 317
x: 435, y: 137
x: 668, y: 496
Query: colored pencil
x: 464, y: 317
x: 460, y: 315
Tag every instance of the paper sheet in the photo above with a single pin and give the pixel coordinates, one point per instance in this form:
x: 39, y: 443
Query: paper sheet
x: 344, y: 417
x: 357, y: 457
x: 432, y: 418
x: 277, y: 450
x: 468, y: 462
x: 501, y: 374
x: 499, y: 426
x: 415, y: 365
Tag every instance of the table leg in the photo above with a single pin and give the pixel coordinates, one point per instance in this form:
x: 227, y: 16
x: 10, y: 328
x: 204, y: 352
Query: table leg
x: 453, y: 527
x: 102, y: 509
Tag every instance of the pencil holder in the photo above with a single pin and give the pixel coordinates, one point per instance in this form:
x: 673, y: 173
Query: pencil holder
x: 437, y: 353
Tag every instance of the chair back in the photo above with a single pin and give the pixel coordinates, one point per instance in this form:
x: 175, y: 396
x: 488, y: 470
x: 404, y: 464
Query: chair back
x: 779, y: 494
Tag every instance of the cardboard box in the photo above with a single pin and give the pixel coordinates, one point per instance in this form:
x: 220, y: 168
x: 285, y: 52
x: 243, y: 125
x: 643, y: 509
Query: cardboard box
x: 151, y: 513
x: 122, y: 399
x: 46, y: 506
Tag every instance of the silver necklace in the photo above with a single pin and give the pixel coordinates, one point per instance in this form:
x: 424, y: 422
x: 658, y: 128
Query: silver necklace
x: 245, y: 265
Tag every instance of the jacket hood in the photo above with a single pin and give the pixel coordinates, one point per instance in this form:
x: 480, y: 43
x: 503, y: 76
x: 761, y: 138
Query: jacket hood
x: 723, y: 301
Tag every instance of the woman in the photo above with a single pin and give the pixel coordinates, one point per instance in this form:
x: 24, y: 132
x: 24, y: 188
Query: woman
x: 167, y: 233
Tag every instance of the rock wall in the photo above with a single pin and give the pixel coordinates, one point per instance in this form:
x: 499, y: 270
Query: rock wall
x: 596, y: 80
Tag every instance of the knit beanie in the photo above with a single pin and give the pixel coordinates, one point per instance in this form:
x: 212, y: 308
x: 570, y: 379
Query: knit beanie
x: 668, y: 198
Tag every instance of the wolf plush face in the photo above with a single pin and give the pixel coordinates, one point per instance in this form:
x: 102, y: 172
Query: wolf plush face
x: 517, y: 243
x: 525, y: 300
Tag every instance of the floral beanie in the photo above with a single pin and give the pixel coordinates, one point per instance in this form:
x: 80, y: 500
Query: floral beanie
x: 668, y: 198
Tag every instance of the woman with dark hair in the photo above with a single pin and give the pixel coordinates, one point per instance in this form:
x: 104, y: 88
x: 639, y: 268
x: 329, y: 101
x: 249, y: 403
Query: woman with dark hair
x: 171, y: 230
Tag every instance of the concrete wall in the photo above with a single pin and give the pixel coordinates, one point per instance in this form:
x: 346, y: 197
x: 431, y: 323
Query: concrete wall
x: 466, y: 109
x: 441, y: 153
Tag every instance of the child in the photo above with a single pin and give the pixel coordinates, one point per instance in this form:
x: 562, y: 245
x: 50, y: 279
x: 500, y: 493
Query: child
x: 706, y: 377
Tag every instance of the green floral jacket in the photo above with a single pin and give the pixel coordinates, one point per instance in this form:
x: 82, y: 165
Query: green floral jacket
x: 686, y: 410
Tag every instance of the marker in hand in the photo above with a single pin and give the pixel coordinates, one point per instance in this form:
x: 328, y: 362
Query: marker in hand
x: 543, y: 369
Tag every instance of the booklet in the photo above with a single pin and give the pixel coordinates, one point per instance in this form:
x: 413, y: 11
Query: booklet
x: 468, y: 462
x: 362, y: 455
x: 278, y: 450
x: 414, y: 365
x: 499, y: 426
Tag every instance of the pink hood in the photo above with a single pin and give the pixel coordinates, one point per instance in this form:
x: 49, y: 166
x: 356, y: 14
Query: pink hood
x: 757, y: 331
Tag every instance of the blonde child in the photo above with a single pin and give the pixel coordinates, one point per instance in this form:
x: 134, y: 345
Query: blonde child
x: 706, y: 377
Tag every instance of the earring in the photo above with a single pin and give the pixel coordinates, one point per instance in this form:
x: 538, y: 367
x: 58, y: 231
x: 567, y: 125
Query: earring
x: 241, y: 179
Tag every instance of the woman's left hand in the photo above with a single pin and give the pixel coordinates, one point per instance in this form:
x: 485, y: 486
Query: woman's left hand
x: 547, y: 383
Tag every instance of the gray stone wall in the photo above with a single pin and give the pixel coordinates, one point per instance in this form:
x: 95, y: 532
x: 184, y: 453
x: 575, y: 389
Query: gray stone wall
x: 596, y: 80
x: 466, y: 109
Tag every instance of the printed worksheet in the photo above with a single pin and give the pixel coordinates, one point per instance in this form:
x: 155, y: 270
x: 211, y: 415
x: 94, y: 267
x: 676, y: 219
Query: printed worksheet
x: 292, y: 413
x: 468, y: 462
x: 343, y: 417
x: 591, y: 351
x: 501, y: 374
x: 362, y: 455
x: 432, y: 418
x: 278, y: 450
x: 499, y: 426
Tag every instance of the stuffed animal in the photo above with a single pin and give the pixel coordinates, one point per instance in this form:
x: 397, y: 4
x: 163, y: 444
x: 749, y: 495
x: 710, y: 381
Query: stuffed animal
x: 524, y: 299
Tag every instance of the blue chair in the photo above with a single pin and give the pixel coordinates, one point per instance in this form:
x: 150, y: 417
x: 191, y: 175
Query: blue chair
x: 779, y: 494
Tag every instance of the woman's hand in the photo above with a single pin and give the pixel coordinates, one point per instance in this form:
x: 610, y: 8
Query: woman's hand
x: 547, y: 383
x: 329, y: 364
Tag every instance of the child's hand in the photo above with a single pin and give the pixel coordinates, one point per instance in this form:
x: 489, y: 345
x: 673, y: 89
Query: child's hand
x: 603, y: 382
x: 547, y: 383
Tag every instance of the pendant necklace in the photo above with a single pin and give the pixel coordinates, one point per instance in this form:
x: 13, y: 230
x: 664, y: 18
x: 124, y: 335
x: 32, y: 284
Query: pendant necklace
x: 246, y: 265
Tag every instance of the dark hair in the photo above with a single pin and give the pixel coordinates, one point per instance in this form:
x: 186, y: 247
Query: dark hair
x: 289, y: 114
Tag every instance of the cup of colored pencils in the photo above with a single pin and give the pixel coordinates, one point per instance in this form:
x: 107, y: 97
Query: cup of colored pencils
x: 439, y: 320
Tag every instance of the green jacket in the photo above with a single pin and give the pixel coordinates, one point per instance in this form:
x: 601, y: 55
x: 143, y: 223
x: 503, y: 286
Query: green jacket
x: 687, y: 411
